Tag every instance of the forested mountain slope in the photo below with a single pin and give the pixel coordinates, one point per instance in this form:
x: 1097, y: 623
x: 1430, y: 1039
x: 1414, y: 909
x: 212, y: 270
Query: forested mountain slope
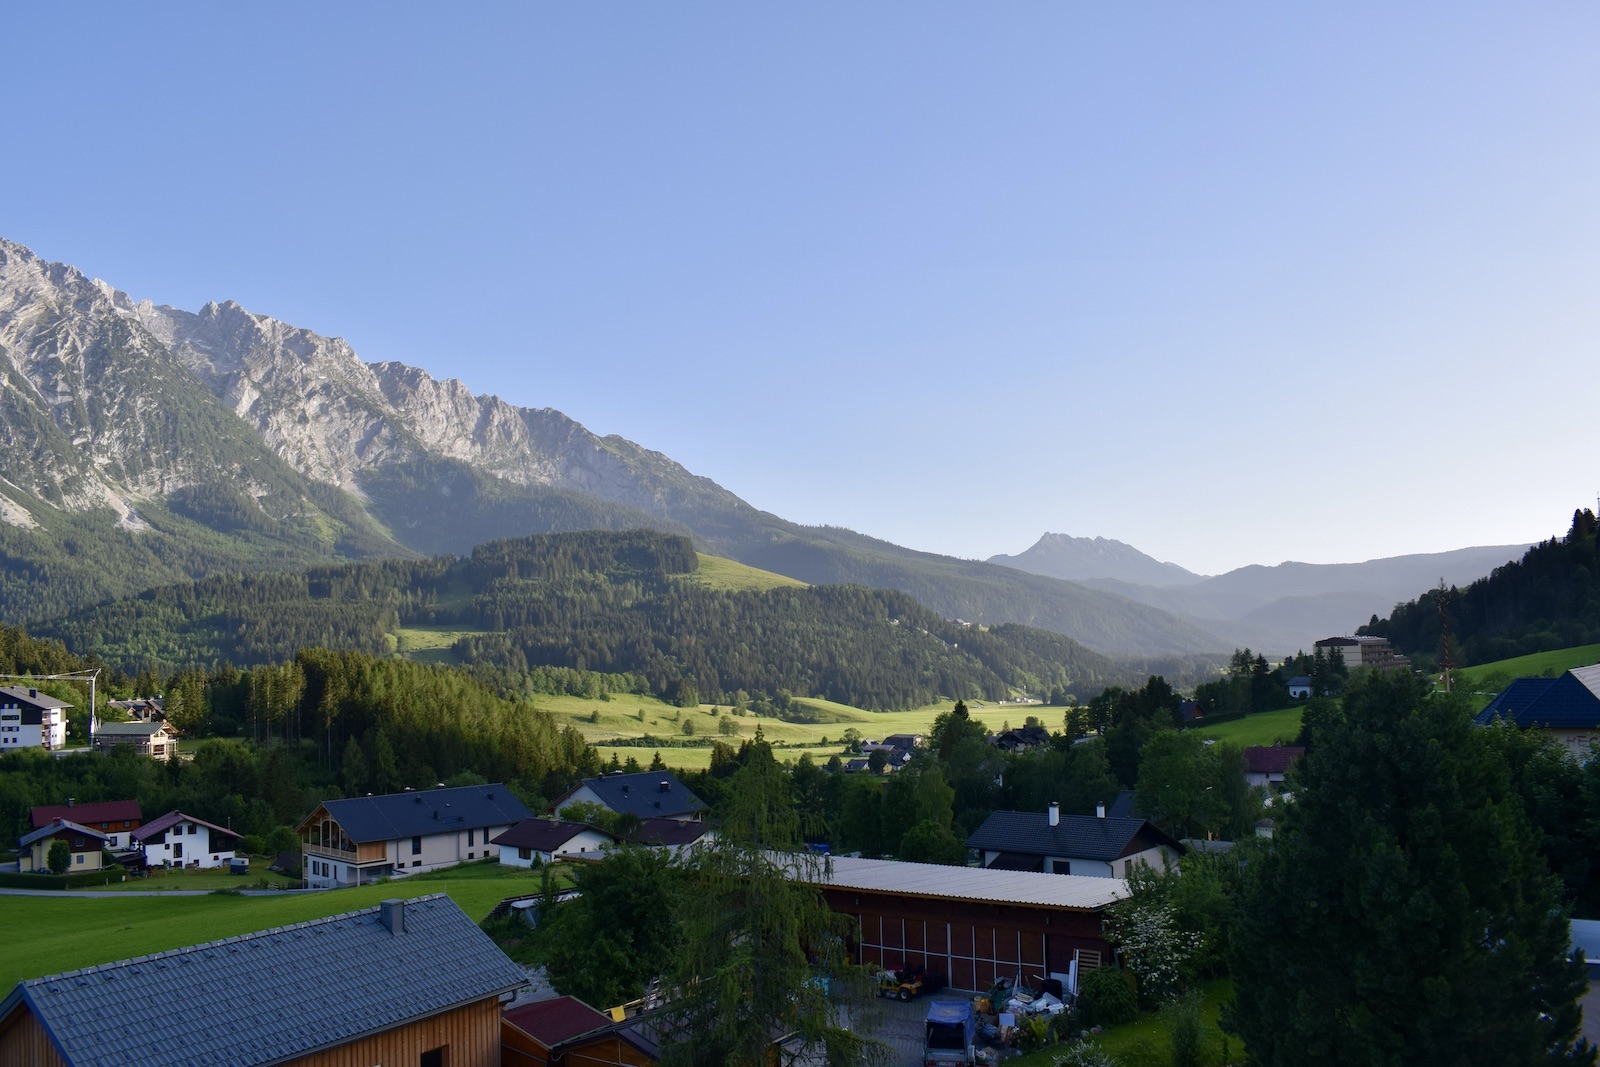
x: 623, y: 606
x: 143, y: 444
x: 1548, y: 599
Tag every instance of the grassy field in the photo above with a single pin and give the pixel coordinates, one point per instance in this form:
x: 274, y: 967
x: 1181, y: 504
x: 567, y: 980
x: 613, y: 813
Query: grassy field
x: 1537, y: 665
x: 429, y: 644
x: 1264, y: 728
x: 51, y: 934
x: 725, y: 575
x: 628, y: 716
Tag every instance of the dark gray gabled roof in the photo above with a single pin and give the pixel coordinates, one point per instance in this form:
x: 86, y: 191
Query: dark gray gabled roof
x: 648, y: 794
x: 271, y: 996
x: 1076, y: 837
x: 421, y: 812
x: 1571, y: 701
x: 56, y: 827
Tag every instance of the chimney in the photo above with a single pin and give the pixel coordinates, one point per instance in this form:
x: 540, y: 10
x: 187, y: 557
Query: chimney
x: 71, y: 801
x: 1100, y: 810
x: 392, y: 913
x: 1055, y: 813
x: 666, y: 787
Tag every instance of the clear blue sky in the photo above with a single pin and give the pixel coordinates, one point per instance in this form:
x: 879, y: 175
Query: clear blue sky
x: 1233, y: 283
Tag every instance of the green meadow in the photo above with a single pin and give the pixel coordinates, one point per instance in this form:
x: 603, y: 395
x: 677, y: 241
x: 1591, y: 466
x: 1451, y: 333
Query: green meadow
x: 1262, y: 728
x: 51, y: 934
x: 627, y: 716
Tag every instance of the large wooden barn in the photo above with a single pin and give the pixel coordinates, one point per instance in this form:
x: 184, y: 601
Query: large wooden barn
x: 972, y: 924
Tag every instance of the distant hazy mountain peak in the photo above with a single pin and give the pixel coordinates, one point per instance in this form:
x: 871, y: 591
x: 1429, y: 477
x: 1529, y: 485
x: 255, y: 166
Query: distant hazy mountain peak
x: 1082, y: 559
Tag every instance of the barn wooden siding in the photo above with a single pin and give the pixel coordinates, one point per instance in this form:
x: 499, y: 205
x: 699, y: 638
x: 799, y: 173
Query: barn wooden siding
x: 969, y: 942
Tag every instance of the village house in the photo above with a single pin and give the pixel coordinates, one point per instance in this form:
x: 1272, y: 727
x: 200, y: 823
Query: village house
x: 647, y: 794
x: 1566, y: 708
x: 534, y: 841
x: 405, y: 982
x: 87, y: 845
x: 1265, y: 765
x: 358, y: 840
x: 31, y: 719
x: 179, y: 840
x: 1052, y: 843
x: 566, y: 1031
x: 117, y: 819
x: 141, y: 709
x: 156, y: 740
x: 671, y: 833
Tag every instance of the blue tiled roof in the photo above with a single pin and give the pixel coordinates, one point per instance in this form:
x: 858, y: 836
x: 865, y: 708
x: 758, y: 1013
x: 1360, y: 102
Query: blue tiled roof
x: 271, y: 996
x: 1571, y: 701
x: 648, y: 794
x: 1075, y: 837
x: 426, y: 811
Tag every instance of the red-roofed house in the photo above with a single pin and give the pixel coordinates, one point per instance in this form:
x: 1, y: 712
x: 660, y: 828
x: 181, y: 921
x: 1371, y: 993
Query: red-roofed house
x: 543, y: 840
x: 117, y: 819
x: 179, y: 840
x: 1266, y: 765
x: 569, y: 1033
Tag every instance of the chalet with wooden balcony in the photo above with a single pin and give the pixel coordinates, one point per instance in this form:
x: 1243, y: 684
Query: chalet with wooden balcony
x: 362, y: 839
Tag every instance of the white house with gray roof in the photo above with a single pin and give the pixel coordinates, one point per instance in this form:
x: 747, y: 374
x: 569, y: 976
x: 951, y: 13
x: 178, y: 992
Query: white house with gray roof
x: 647, y: 794
x: 361, y: 839
x: 1051, y: 843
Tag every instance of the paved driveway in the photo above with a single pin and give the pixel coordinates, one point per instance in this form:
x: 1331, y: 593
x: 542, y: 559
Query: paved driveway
x: 900, y: 1026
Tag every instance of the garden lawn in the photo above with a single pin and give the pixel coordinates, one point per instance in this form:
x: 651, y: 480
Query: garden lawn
x: 51, y: 934
x: 163, y: 881
x: 1262, y: 728
x: 1147, y: 1041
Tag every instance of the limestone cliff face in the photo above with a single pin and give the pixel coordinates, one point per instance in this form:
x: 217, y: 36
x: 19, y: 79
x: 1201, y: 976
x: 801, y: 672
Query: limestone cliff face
x: 99, y: 375
x: 95, y: 410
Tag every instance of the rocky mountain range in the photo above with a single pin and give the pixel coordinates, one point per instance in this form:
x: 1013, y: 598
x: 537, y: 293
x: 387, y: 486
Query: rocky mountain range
x: 142, y: 444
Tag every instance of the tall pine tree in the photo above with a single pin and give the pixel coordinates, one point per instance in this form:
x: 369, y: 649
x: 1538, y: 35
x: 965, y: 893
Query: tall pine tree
x: 1402, y: 914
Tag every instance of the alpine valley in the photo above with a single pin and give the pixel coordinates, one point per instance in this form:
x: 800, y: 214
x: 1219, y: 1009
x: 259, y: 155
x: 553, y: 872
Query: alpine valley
x: 144, y: 446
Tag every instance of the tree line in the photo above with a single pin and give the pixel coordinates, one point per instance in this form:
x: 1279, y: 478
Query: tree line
x: 595, y: 612
x: 1548, y: 599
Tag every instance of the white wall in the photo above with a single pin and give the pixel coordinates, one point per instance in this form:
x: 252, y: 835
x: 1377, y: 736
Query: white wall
x: 185, y: 844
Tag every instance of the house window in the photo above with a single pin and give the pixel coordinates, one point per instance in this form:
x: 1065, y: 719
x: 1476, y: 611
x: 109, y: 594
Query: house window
x: 524, y: 854
x: 416, y: 847
x: 434, y: 1057
x: 469, y: 838
x: 78, y: 858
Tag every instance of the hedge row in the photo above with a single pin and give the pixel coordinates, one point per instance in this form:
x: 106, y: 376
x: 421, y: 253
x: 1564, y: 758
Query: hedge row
x: 61, y: 881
